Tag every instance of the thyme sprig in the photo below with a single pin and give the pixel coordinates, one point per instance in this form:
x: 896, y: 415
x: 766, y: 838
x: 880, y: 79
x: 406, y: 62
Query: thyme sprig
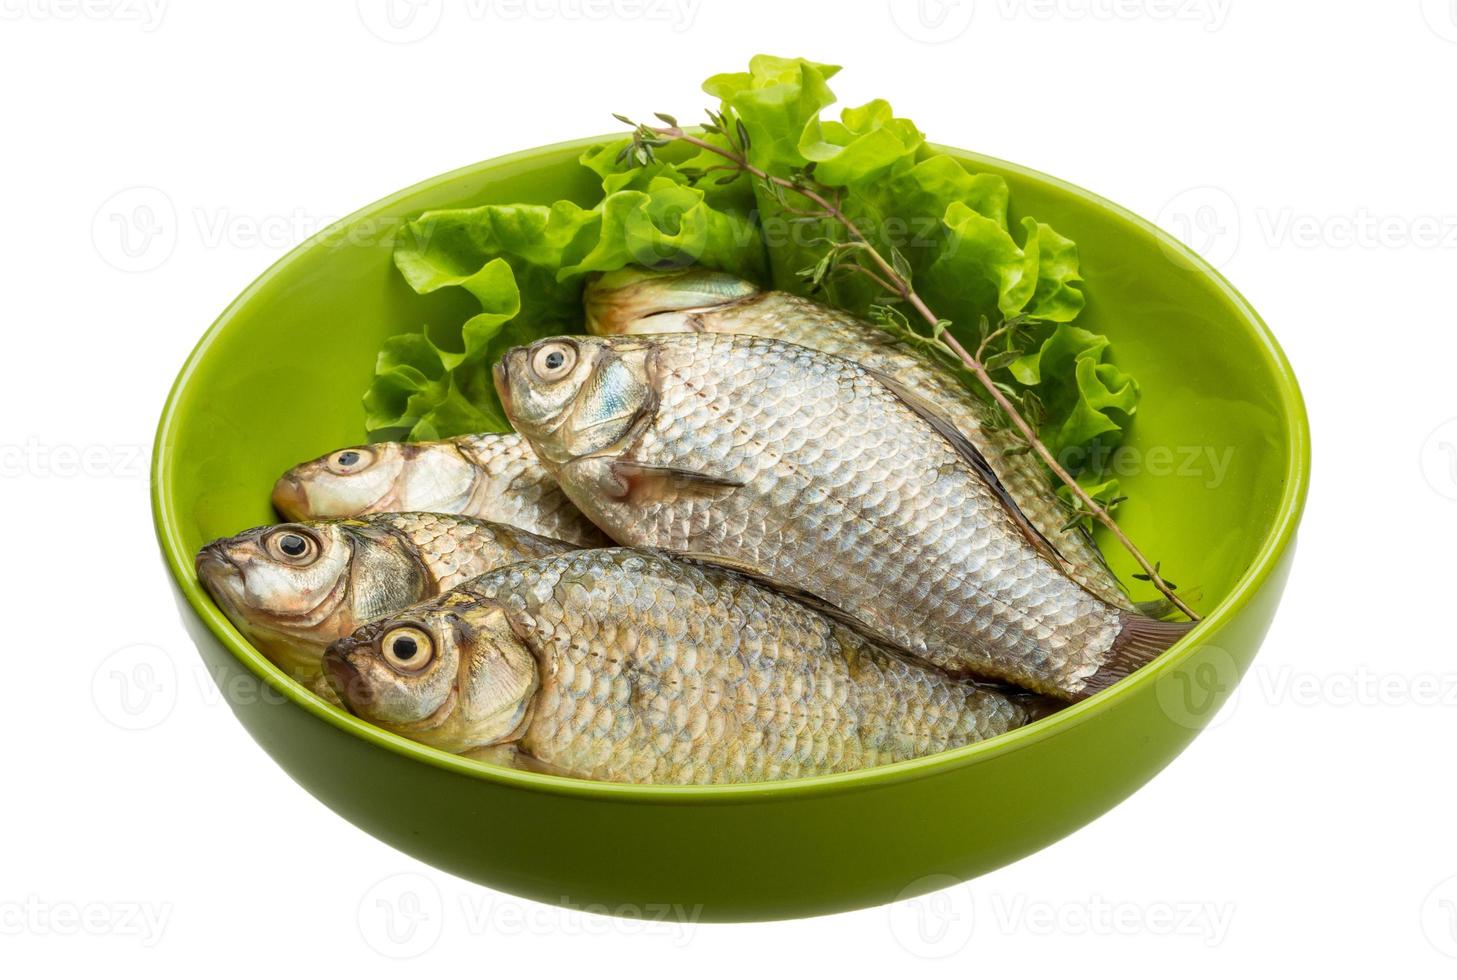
x: 801, y: 196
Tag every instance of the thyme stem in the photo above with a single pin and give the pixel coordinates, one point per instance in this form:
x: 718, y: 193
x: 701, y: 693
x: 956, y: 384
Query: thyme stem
x: 901, y: 287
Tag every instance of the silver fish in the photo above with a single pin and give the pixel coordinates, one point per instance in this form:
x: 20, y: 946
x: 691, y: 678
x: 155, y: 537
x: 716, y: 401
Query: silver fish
x: 809, y: 469
x: 640, y: 301
x: 293, y: 589
x: 492, y: 476
x: 628, y: 666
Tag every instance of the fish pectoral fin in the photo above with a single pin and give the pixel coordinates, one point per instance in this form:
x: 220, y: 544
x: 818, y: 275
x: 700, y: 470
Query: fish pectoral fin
x: 1163, y: 608
x: 512, y: 756
x: 967, y: 450
x: 321, y: 687
x: 504, y: 754
x: 527, y: 762
x: 644, y: 482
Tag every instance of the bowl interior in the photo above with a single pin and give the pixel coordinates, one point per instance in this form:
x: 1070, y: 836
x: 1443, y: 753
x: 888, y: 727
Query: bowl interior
x: 1214, y: 465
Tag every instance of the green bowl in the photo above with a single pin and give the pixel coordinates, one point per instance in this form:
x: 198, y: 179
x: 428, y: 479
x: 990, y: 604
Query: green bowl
x: 1216, y: 470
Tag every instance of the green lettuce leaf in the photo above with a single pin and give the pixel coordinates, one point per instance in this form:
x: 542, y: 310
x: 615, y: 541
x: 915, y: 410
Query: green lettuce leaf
x: 944, y: 225
x: 1085, y: 397
x: 775, y: 100
x: 524, y: 265
x: 868, y: 144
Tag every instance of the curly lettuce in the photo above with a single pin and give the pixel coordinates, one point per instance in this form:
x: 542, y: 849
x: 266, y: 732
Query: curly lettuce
x: 524, y: 264
x: 944, y: 226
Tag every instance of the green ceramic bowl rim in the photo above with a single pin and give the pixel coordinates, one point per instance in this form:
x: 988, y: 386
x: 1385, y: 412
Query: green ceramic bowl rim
x: 180, y: 561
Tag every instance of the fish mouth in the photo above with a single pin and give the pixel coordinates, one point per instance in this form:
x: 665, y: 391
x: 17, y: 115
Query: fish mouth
x: 227, y: 583
x: 501, y: 376
x: 344, y: 677
x: 213, y: 566
x: 290, y: 499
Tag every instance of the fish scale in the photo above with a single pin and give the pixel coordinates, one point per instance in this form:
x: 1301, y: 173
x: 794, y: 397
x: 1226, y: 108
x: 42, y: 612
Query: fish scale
x: 516, y: 489
x: 791, y: 693
x: 797, y: 320
x: 832, y: 482
x: 365, y: 567
x: 454, y: 548
x: 492, y: 476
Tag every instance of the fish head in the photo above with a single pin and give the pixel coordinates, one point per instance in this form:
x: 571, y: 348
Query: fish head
x: 638, y: 301
x: 294, y: 588
x: 387, y: 476
x: 453, y: 673
x: 340, y: 484
x: 572, y: 396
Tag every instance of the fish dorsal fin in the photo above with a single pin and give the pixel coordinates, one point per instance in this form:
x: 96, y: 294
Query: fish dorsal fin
x: 974, y: 458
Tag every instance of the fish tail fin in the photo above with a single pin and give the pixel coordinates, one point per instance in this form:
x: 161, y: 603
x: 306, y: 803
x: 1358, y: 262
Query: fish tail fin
x: 1037, y: 706
x: 1164, y: 608
x: 1139, y: 641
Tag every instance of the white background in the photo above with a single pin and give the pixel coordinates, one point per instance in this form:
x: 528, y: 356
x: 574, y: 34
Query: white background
x: 1307, y: 148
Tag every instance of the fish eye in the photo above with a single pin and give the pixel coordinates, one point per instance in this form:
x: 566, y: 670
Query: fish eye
x: 347, y: 461
x: 293, y: 545
x: 407, y: 649
x: 553, y: 361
